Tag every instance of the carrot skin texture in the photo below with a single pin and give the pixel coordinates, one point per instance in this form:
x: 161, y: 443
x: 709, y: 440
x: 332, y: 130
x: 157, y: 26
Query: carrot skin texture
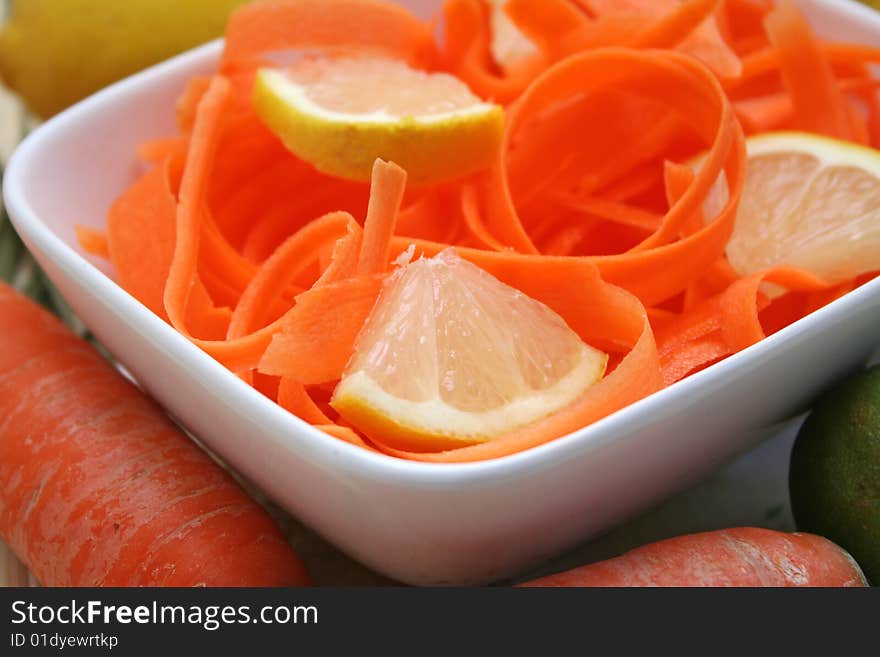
x: 739, y: 557
x: 97, y: 486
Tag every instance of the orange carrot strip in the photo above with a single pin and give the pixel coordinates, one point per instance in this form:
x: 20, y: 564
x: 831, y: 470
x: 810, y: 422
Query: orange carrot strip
x: 765, y: 113
x: 564, y: 242
x: 695, y: 92
x: 755, y: 65
x: 181, y: 293
x: 467, y: 38
x: 269, y: 230
x: 708, y: 45
x: 858, y: 126
x: 157, y: 151
x: 767, y: 61
x: 266, y: 385
x: 675, y: 26
x: 140, y: 238
x: 694, y: 340
x: 717, y: 278
x: 188, y: 103
x: 93, y: 241
x: 650, y: 145
x: 851, y: 53
x: 546, y: 23
x: 250, y: 194
x: 687, y: 25
x: 224, y: 272
x: 386, y: 193
x: 436, y: 215
x: 286, y: 215
x: 601, y: 32
x: 725, y: 323
x: 282, y: 267
x: 679, y: 178
x: 344, y: 258
x: 473, y: 219
x: 612, y: 211
x: 744, y: 19
x: 741, y: 324
x: 218, y: 256
x: 309, y: 329
x: 293, y: 396
x: 693, y: 356
x: 635, y: 184
x: 182, y: 271
x: 364, y: 25
x: 307, y: 326
x: 819, y: 105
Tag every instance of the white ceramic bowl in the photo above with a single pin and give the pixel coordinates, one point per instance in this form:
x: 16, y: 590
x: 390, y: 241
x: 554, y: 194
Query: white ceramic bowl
x: 418, y: 523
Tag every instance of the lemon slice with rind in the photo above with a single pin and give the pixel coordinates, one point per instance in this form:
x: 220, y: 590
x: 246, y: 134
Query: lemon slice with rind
x: 451, y: 356
x: 809, y: 202
x: 340, y: 114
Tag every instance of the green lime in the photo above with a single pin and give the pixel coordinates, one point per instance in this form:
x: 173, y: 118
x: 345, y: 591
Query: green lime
x: 835, y: 470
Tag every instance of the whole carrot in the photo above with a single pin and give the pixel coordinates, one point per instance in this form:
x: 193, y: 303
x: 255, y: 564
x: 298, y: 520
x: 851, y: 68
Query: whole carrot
x: 744, y: 556
x: 98, y: 488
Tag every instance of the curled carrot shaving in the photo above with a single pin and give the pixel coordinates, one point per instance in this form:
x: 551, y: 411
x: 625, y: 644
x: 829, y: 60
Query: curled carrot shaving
x: 389, y: 181
x: 466, y: 53
x: 548, y: 24
x: 807, y: 74
x: 309, y: 329
x: 182, y: 271
x: 293, y: 396
x: 286, y: 265
x: 693, y: 91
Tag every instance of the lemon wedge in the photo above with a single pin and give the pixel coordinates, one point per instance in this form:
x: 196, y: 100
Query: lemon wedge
x: 809, y: 202
x: 451, y: 356
x: 340, y: 114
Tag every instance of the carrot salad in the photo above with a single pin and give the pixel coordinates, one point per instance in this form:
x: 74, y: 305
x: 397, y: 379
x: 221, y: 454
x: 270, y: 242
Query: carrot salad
x: 591, y: 205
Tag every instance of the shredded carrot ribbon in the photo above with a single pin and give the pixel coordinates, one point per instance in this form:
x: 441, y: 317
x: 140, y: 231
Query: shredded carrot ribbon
x: 590, y: 207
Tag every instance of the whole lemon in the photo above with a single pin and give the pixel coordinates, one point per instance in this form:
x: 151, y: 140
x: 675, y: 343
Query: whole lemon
x: 56, y: 52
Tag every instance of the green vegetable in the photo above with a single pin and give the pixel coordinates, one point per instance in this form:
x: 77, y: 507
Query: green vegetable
x: 835, y: 470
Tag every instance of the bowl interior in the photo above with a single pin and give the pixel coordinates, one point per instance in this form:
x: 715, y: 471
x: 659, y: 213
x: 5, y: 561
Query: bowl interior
x: 93, y: 155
